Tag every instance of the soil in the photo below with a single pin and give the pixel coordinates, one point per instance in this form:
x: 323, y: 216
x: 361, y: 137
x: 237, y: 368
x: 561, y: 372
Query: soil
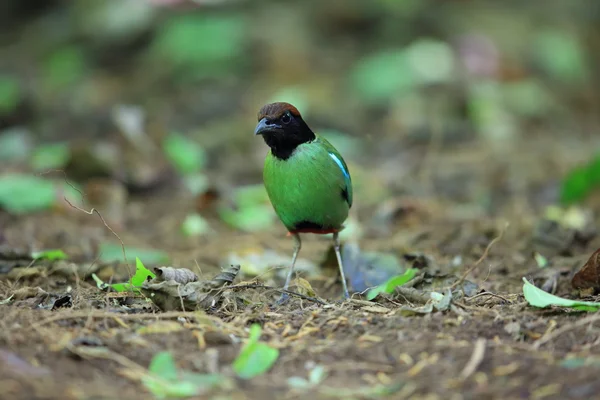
x: 490, y: 345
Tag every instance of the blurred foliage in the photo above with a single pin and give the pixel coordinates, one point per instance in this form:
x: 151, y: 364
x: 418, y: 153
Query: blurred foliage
x: 195, y: 225
x: 15, y: 145
x: 10, y: 94
x: 49, y: 156
x: 50, y: 255
x: 256, y: 357
x: 560, y: 55
x: 167, y: 381
x: 580, y: 182
x: 200, y: 45
x: 250, y: 211
x: 379, y: 79
x: 185, y: 155
x: 20, y: 194
x: 64, y: 67
x: 111, y: 252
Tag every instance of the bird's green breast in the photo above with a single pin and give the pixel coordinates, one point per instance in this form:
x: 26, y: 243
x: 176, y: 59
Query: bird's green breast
x: 310, y: 189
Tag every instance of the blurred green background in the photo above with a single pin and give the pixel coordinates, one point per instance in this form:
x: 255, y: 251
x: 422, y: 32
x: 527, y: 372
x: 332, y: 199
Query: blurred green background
x: 471, y: 101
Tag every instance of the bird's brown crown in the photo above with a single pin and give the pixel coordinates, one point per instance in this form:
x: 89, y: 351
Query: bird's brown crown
x: 276, y: 110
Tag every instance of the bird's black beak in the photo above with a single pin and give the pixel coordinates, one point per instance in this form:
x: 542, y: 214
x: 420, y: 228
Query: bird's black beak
x: 265, y: 126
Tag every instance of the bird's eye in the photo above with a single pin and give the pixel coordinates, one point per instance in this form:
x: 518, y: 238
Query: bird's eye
x: 286, y: 118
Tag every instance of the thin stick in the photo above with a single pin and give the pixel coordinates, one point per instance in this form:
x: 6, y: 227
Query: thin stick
x: 91, y: 212
x: 105, y: 314
x: 483, y: 256
x: 475, y: 360
x: 553, y: 335
x: 488, y: 294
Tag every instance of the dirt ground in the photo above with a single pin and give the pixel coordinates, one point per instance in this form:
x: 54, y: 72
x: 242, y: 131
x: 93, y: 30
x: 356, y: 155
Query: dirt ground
x: 489, y: 345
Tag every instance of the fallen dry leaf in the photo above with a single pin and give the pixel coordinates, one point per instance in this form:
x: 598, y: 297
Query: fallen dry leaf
x: 179, y: 275
x: 171, y: 295
x: 376, y: 309
x: 588, y: 277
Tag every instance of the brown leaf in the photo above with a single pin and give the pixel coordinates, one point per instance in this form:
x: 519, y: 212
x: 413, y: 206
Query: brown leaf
x: 588, y: 276
x: 179, y: 275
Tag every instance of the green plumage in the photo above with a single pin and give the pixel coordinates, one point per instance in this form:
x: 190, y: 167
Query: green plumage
x: 310, y: 188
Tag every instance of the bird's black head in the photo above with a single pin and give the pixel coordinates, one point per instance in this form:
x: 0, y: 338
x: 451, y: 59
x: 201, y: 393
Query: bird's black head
x: 282, y: 129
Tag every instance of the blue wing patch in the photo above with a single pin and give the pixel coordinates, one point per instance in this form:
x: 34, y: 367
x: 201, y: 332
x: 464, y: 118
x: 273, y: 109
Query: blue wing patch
x: 347, y: 192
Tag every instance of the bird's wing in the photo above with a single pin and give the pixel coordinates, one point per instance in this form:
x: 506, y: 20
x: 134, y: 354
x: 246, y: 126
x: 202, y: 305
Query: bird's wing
x: 339, y: 160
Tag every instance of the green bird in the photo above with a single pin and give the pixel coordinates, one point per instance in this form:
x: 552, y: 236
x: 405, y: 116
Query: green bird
x: 306, y: 179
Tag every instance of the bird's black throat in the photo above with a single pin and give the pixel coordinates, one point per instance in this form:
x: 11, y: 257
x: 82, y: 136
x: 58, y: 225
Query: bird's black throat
x: 287, y: 138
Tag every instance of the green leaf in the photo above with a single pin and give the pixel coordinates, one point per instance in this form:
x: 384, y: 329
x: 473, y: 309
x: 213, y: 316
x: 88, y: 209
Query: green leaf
x: 21, y: 194
x: 536, y: 297
x: 141, y: 273
x: 15, y: 144
x: 50, y: 255
x: 169, y: 382
x: 255, y: 332
x: 297, y: 382
x: 431, y: 60
x: 64, y: 67
x: 249, y: 219
x: 575, y: 187
x: 184, y: 154
x: 528, y: 98
x: 256, y: 358
x: 579, y: 362
x: 50, y: 156
x: 165, y: 389
x: 195, y: 225
x: 191, y: 41
x: 135, y: 282
x: 10, y: 94
x: 561, y: 55
x: 163, y: 365
x: 251, y: 195
x: 594, y: 170
x: 580, y: 181
x: 381, y: 76
x: 196, y: 183
x: 123, y: 287
x: 111, y: 252
x: 540, y: 260
x: 252, y: 213
x: 317, y: 375
x: 391, y: 284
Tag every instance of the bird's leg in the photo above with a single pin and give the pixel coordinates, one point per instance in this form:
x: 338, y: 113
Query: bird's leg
x: 297, y: 247
x: 336, y: 247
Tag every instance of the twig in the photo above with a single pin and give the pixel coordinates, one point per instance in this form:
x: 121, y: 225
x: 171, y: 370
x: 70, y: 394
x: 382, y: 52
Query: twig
x: 475, y: 360
x: 260, y: 286
x: 488, y: 294
x: 483, y: 256
x: 553, y: 335
x: 91, y: 212
x: 105, y: 314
